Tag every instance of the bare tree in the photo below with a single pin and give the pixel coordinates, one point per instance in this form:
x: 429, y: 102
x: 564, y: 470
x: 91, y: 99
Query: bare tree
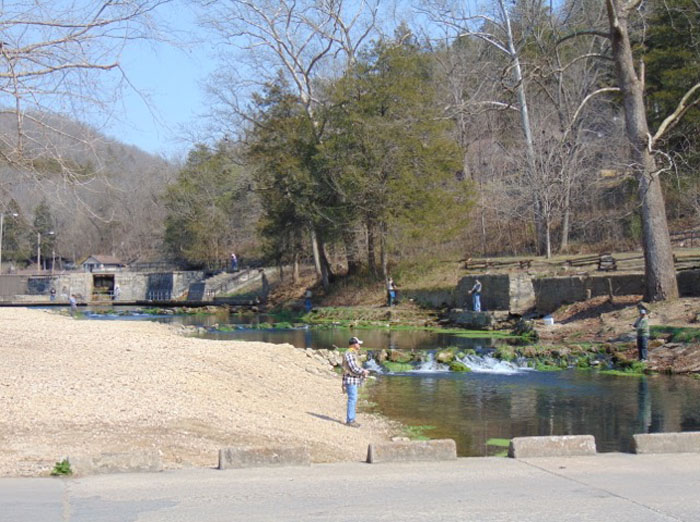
x: 660, y: 274
x: 498, y: 32
x: 61, y: 57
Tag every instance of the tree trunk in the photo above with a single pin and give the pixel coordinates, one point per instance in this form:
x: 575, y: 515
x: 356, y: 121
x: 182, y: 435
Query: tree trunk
x: 564, y: 245
x: 351, y: 251
x: 659, y: 270
x: 383, y: 252
x: 527, y: 131
x: 295, y: 268
x: 326, y: 272
x: 315, y: 250
x: 371, y: 248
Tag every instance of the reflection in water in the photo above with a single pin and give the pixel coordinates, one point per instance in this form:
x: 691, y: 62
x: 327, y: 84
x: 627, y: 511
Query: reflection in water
x: 472, y: 408
x: 643, y: 406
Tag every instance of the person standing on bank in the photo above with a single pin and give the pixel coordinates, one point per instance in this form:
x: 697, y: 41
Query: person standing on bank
x: 353, y: 377
x: 390, y: 292
x: 642, y: 326
x: 476, y: 296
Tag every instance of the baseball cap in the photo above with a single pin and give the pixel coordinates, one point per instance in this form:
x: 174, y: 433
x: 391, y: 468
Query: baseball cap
x: 354, y: 340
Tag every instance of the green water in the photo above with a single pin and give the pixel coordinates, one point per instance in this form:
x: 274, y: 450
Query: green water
x: 476, y: 407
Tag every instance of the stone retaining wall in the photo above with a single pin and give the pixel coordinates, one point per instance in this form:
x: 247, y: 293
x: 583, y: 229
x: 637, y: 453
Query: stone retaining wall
x: 552, y: 292
x: 133, y: 286
x: 689, y: 283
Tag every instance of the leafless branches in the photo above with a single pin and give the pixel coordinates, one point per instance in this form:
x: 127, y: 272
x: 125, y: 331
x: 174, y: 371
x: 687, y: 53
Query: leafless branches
x: 61, y: 57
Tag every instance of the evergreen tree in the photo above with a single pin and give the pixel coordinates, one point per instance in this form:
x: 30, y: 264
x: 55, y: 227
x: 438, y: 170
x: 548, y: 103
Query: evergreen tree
x: 389, y: 152
x: 210, y: 208
x: 281, y: 146
x: 15, y: 236
x: 44, y: 232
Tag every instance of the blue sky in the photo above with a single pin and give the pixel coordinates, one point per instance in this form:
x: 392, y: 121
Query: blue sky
x: 171, y: 78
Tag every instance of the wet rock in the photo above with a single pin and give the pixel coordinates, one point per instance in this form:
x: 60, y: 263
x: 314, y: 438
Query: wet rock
x: 445, y: 356
x: 457, y: 366
x: 400, y: 356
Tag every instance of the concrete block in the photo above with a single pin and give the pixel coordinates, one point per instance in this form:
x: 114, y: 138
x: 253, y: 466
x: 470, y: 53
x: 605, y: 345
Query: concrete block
x: 131, y: 462
x: 262, y: 457
x: 412, y: 450
x: 685, y: 442
x: 559, y: 446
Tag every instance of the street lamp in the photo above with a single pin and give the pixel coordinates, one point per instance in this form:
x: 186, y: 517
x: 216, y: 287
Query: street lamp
x: 38, y: 247
x: 2, y: 223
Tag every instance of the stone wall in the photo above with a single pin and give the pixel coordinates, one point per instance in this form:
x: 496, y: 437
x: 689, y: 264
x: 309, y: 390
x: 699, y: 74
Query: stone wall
x: 552, y: 292
x: 138, y: 286
x: 133, y: 286
x: 78, y: 283
x: 183, y: 280
x: 430, y: 297
x: 689, y: 283
x: 495, y: 292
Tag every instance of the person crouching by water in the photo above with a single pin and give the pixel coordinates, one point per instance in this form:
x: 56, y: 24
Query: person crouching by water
x: 643, y: 333
x: 353, y: 377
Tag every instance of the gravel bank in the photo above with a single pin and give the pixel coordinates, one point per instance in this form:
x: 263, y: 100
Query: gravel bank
x: 71, y: 387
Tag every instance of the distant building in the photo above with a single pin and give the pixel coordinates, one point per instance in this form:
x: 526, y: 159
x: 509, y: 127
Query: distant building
x: 100, y: 263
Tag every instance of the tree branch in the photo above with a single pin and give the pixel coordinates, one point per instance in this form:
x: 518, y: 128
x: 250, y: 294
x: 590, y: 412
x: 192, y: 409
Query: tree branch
x: 575, y: 34
x: 676, y: 116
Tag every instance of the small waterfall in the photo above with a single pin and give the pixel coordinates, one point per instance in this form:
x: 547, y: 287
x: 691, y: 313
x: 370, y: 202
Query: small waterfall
x: 430, y: 365
x: 373, y: 366
x: 488, y: 364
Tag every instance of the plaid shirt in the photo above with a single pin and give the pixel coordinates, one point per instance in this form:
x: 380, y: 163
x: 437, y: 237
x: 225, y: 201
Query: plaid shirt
x: 352, y: 371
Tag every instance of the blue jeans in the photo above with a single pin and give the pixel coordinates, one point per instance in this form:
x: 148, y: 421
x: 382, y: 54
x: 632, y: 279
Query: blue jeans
x: 476, y: 302
x: 351, y: 390
x: 642, y: 347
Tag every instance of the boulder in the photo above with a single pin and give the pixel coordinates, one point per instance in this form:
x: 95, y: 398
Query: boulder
x: 445, y: 356
x: 400, y: 356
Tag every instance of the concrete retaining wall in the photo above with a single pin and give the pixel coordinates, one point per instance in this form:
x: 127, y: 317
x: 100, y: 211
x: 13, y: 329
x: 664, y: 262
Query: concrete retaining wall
x: 685, y: 442
x: 430, y: 298
x: 689, y: 283
x: 78, y: 283
x: 552, y: 292
x: 256, y: 457
x: 133, y: 286
x: 495, y: 294
x: 561, y: 446
x: 412, y: 450
x: 135, y: 461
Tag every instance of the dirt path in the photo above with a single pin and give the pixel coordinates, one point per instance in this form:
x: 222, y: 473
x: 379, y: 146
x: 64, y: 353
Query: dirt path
x: 71, y: 387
